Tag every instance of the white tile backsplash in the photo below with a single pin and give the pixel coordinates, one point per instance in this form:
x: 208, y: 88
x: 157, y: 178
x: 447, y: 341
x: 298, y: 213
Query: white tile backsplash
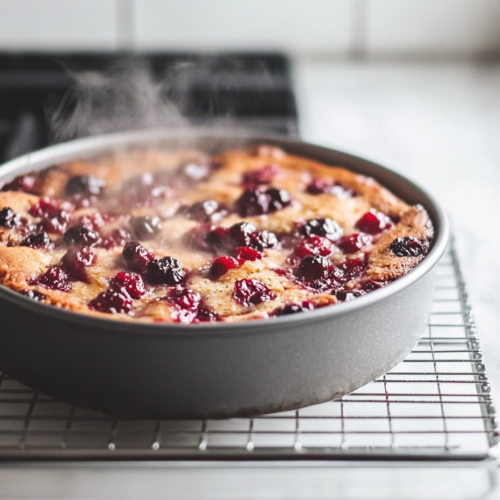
x: 433, y: 27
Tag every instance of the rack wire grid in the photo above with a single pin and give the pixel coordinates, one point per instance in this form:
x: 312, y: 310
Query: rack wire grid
x: 436, y: 404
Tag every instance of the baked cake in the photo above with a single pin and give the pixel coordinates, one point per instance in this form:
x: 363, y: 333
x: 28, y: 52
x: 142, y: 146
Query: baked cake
x: 159, y: 236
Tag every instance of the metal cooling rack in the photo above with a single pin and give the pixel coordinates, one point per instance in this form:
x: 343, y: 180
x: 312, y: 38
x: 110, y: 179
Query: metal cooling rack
x: 435, y: 404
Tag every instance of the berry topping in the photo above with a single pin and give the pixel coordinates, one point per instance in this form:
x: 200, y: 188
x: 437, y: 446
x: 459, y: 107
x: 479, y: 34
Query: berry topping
x: 374, y: 222
x: 314, y: 267
x: 259, y: 202
x: 279, y: 198
x: 353, y: 267
x: 117, y: 238
x: 55, y: 214
x: 33, y: 295
x: 9, y: 218
x: 75, y: 260
x: 131, y: 282
x: 202, y: 211
x: 24, y: 183
x: 165, y: 271
x: 81, y: 235
x: 370, y: 285
x: 94, y: 220
x: 321, y: 186
x: 114, y: 300
x: 241, y: 233
x: 252, y: 292
x: 354, y: 242
x: 409, y: 247
x: 85, y: 185
x: 145, y: 228
x: 136, y: 256
x: 205, y: 314
x: 247, y: 253
x: 293, y: 308
x: 37, y: 240
x: 263, y: 239
x: 221, y: 266
x: 263, y: 175
x: 217, y: 238
x: 314, y: 245
x: 55, y: 279
x: 186, y: 303
x: 322, y: 227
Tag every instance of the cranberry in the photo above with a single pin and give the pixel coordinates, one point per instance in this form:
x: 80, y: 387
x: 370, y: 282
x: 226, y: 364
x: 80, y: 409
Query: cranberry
x: 54, y: 278
x: 314, y: 245
x: 113, y: 300
x: 293, y: 308
x: 85, y: 185
x: 322, y: 227
x: 24, y: 183
x: 252, y: 292
x: 353, y: 267
x: 263, y: 175
x: 145, y: 228
x: 165, y: 271
x: 55, y: 215
x: 354, y: 242
x: 221, y: 266
x: 33, y: 295
x: 374, y: 222
x: 94, y: 220
x: 409, y: 247
x: 202, y: 211
x: 185, y: 299
x: 117, y: 238
x: 9, y: 218
x: 320, y: 186
x: 247, y: 253
x: 75, y: 260
x: 37, y: 240
x: 136, y: 256
x: 131, y: 282
x: 81, y: 235
x: 314, y: 267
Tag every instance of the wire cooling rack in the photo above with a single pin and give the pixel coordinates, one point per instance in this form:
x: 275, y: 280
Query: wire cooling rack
x: 435, y: 404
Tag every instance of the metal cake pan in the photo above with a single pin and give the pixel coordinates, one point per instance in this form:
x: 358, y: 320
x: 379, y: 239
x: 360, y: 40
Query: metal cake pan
x: 217, y: 369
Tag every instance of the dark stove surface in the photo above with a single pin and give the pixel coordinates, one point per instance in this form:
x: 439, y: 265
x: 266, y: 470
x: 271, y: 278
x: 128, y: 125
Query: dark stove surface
x: 249, y: 90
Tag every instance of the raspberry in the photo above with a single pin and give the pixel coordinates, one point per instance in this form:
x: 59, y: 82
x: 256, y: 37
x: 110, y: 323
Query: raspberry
x: 221, y: 266
x: 374, y: 222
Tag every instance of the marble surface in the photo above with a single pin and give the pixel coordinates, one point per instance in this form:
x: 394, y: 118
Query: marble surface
x: 437, y: 123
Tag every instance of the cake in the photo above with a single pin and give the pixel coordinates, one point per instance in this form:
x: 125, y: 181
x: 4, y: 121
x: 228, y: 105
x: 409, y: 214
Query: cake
x: 162, y: 236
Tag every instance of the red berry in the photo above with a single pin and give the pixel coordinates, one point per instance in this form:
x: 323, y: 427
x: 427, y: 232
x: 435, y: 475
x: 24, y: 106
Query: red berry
x: 374, y: 222
x: 354, y: 242
x: 185, y: 299
x: 205, y: 314
x: 136, y: 256
x: 114, y: 300
x: 117, y: 238
x: 55, y: 279
x: 94, y: 220
x: 314, y: 267
x: 247, y: 253
x: 55, y: 214
x: 252, y: 292
x: 314, y: 245
x: 353, y: 267
x: 24, y: 183
x: 263, y: 175
x: 221, y: 266
x: 76, y: 260
x: 131, y: 282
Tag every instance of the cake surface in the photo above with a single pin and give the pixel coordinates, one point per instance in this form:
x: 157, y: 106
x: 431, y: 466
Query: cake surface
x: 155, y: 236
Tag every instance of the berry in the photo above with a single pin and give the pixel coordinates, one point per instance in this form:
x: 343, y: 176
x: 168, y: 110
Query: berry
x: 241, y: 233
x: 33, y: 295
x: 252, y: 292
x: 205, y: 314
x: 259, y: 202
x: 344, y: 296
x: 314, y: 267
x: 24, y: 183
x: 221, y: 266
x: 165, y: 271
x: 263, y: 175
x: 353, y: 267
x: 55, y: 215
x: 81, y: 235
x: 76, y: 260
x: 374, y: 222
x: 247, y: 253
x: 216, y: 238
x: 322, y: 227
x: 9, y: 218
x: 114, y: 300
x: 313, y: 245
x: 54, y: 278
x: 279, y: 198
x: 197, y: 238
x: 136, y: 256
x: 354, y: 242
x: 263, y: 239
x: 186, y: 303
x: 202, y: 211
x: 293, y: 308
x: 409, y: 247
x: 85, y: 185
x: 145, y: 228
x: 117, y: 238
x: 94, y: 220
x: 37, y: 240
x: 370, y: 285
x: 320, y: 186
x: 131, y: 282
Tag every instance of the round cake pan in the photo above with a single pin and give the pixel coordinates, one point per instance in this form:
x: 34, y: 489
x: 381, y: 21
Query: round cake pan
x: 217, y: 369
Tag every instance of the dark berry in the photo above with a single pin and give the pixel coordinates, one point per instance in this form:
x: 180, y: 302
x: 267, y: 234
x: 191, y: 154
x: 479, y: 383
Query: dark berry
x: 197, y: 238
x: 344, y: 296
x: 37, y: 240
x: 34, y: 295
x: 217, y: 239
x: 374, y: 222
x: 263, y: 175
x: 205, y: 314
x: 321, y: 186
x: 202, y: 211
x: 370, y: 285
x: 76, y: 260
x: 322, y: 227
x: 113, y: 300
x: 253, y: 202
x: 409, y: 247
x: 9, y: 218
x: 314, y: 267
x: 85, y: 185
x: 221, y: 266
x: 247, y: 253
x: 145, y: 228
x: 165, y: 271
x: 24, y: 183
x: 81, y: 235
x: 354, y: 242
x: 279, y: 198
x: 293, y: 308
x: 314, y: 245
x: 117, y: 238
x: 136, y: 256
x: 252, y: 292
x: 55, y: 215
x: 54, y: 278
x: 131, y: 282
x: 263, y: 239
x: 241, y: 234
